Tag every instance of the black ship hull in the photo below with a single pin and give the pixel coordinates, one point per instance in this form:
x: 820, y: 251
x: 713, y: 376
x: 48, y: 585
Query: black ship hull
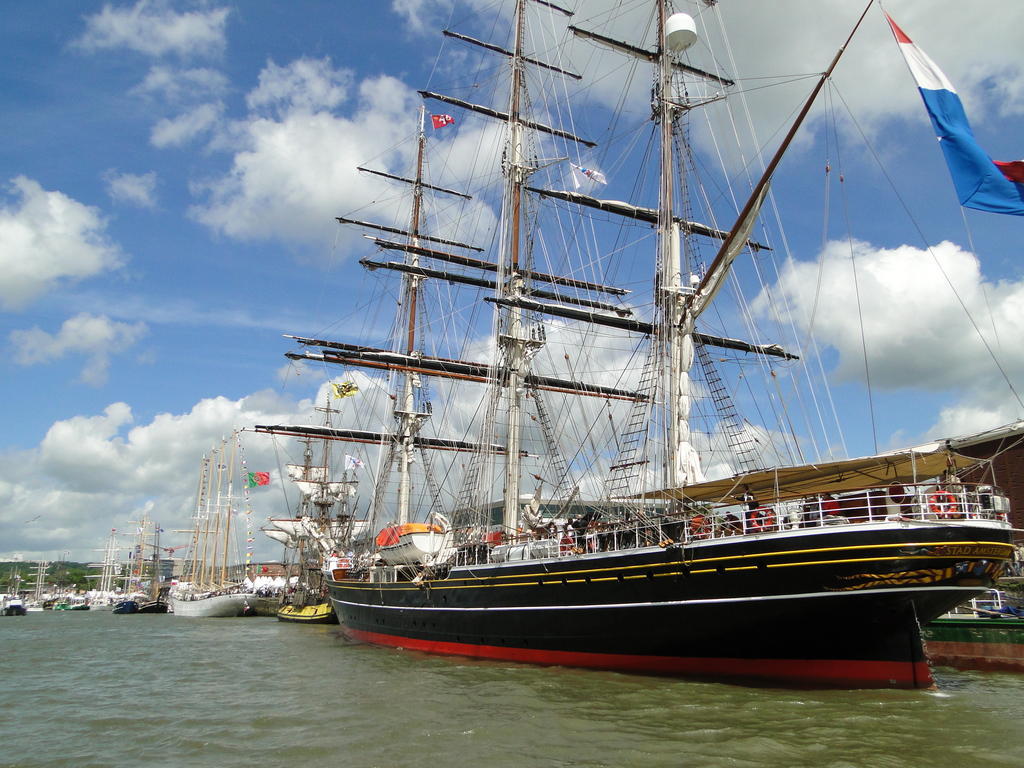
x: 154, y: 606
x: 839, y: 607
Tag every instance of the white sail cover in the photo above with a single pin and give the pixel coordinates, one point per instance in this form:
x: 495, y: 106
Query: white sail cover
x: 683, y: 454
x: 327, y: 537
x: 713, y: 281
x: 314, y: 485
x: 279, y: 536
x: 313, y: 474
x: 292, y: 526
x: 686, y: 456
x: 329, y: 493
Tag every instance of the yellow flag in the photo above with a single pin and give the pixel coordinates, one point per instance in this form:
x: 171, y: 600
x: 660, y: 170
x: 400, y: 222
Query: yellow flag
x: 344, y: 389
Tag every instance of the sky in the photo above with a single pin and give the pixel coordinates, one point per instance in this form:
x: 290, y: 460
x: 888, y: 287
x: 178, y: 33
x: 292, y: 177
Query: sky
x: 170, y: 173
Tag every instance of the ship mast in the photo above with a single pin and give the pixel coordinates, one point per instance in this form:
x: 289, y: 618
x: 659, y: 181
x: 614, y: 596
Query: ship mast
x: 228, y: 511
x: 512, y: 343
x: 675, y: 334
x: 409, y: 421
x: 154, y: 578
x: 514, y: 293
x: 106, y: 583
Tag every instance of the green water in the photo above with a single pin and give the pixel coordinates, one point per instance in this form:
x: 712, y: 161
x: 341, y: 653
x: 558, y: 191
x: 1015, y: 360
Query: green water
x: 93, y: 689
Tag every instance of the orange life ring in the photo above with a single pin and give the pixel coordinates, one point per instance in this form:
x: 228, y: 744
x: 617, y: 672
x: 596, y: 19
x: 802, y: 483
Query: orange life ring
x: 699, y: 528
x: 943, y: 503
x: 761, y: 519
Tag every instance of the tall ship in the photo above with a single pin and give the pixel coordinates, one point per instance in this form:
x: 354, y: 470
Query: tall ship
x: 104, y: 594
x: 211, y: 585
x: 599, y: 500
x: 319, y: 535
x: 39, y: 600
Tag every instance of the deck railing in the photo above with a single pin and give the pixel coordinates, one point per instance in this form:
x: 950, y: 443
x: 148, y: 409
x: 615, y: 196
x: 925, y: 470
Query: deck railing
x: 931, y: 502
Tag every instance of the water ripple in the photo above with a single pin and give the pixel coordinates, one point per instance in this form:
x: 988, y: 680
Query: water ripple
x: 94, y: 689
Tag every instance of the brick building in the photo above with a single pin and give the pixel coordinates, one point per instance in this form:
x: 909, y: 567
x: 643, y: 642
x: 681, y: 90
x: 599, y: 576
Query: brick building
x: 1005, y: 447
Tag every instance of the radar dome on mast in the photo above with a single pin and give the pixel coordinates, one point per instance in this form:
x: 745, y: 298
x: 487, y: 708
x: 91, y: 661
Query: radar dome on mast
x: 680, y: 32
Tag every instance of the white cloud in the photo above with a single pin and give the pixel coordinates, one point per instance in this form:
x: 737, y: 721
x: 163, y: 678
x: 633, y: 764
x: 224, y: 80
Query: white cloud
x: 176, y: 85
x: 291, y: 176
x: 910, y: 314
x: 413, y: 11
x: 916, y: 333
x: 85, y: 450
x: 154, y: 28
x: 46, y: 238
x: 193, y: 94
x: 131, y: 188
x: 96, y: 337
x: 94, y: 472
x: 968, y: 419
x: 173, y: 132
x: 295, y: 158
x: 305, y: 84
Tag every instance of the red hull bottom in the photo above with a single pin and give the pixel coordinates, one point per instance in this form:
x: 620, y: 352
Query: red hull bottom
x: 844, y: 673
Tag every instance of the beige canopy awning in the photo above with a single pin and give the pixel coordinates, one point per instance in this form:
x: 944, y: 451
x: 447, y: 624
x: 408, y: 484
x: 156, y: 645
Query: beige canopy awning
x: 916, y: 465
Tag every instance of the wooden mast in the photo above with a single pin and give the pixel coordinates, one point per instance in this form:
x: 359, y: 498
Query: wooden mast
x: 204, y: 576
x: 409, y: 421
x: 227, y: 515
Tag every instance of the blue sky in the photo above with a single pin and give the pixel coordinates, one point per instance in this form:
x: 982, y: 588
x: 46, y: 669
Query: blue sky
x: 170, y: 172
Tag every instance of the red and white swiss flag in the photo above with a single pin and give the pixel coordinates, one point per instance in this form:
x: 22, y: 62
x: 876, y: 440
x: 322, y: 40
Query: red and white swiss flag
x: 440, y: 121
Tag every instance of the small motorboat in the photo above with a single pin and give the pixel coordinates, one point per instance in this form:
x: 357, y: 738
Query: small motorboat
x: 13, y: 606
x: 126, y: 606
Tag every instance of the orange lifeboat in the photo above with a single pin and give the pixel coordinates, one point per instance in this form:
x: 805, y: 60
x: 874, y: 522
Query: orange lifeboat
x: 390, y: 535
x: 411, y: 543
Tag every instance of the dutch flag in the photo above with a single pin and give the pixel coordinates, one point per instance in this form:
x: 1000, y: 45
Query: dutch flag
x: 981, y: 183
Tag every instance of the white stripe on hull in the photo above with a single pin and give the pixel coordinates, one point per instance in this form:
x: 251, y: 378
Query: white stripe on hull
x: 699, y: 601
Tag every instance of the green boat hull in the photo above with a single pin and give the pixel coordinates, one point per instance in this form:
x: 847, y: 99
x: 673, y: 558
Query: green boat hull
x: 976, y: 643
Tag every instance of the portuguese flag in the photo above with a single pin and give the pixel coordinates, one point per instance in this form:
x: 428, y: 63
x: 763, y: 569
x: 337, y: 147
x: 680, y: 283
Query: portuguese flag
x: 257, y: 478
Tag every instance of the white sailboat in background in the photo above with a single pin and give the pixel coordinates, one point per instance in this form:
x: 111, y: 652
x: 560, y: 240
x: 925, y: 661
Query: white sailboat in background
x: 212, y: 586
x: 104, y: 594
x: 38, y: 584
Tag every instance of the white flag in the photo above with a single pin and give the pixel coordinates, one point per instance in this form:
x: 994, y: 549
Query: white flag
x: 588, y: 173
